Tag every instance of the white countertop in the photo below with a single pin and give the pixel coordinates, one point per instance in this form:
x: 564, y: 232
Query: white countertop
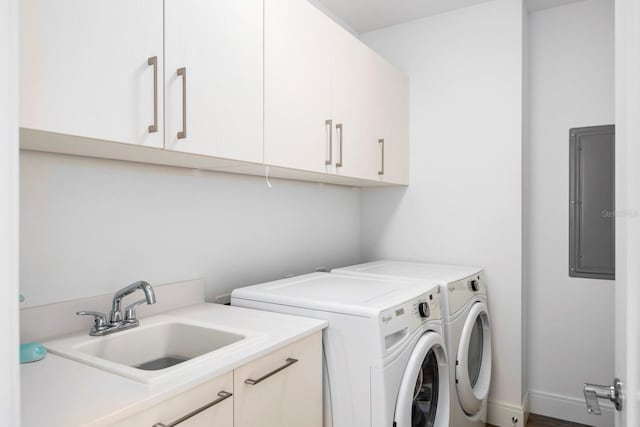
x: 59, y: 392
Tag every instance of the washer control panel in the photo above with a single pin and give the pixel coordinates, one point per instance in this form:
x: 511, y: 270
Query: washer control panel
x: 423, y: 309
x: 403, y: 319
x: 414, y: 312
x: 426, y: 307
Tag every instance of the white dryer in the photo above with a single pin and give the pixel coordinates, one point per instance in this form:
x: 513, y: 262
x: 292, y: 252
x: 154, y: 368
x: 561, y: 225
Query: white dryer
x: 466, y: 328
x: 384, y: 355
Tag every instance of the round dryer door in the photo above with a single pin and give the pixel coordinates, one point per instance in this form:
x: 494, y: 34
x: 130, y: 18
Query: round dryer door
x: 423, y: 398
x: 473, y: 367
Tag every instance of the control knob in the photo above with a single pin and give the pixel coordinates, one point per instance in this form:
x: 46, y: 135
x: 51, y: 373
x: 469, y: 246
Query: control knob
x: 423, y: 309
x: 475, y: 286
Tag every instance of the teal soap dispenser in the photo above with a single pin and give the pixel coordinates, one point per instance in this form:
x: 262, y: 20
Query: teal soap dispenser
x: 31, y: 351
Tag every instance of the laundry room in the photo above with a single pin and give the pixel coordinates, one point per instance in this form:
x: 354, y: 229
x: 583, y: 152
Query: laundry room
x: 320, y: 213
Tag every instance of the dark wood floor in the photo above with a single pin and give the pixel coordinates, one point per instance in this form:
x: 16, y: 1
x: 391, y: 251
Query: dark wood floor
x: 540, y: 421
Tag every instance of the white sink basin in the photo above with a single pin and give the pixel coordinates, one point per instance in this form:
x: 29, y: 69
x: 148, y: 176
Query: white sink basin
x: 169, y: 340
x: 161, y: 345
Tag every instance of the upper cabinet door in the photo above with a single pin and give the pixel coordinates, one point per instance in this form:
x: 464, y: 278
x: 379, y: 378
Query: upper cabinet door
x: 370, y: 105
x: 393, y: 119
x: 86, y: 69
x: 298, y: 67
x: 357, y: 107
x: 214, y: 72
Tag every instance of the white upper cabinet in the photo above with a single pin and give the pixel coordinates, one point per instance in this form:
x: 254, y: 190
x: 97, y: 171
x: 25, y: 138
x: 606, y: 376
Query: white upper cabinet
x: 332, y: 105
x: 394, y: 93
x: 298, y: 66
x: 85, y: 69
x: 218, y: 48
x: 370, y: 104
x: 355, y: 106
x: 228, y: 85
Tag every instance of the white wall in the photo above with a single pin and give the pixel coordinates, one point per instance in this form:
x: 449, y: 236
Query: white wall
x: 9, y: 372
x: 571, y: 319
x: 91, y: 226
x: 464, y: 202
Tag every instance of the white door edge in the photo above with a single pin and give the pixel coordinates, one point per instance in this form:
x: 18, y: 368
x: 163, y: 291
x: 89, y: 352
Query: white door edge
x: 9, y: 164
x: 627, y: 81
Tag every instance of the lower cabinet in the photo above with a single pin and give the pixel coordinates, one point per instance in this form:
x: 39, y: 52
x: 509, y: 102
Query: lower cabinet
x: 210, y: 404
x: 281, y: 389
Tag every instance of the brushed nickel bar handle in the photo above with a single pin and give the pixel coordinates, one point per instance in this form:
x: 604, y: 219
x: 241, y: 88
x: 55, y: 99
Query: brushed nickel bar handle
x: 153, y: 61
x: 290, y: 361
x: 223, y: 395
x: 183, y: 73
x: 339, y: 129
x: 328, y: 124
x: 381, y: 171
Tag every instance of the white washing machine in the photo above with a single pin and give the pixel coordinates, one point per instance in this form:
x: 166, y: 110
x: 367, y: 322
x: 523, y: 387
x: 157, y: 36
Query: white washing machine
x: 466, y: 329
x: 385, y: 361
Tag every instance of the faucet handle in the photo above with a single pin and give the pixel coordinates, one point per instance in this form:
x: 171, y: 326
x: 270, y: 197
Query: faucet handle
x: 130, y: 310
x: 100, y: 318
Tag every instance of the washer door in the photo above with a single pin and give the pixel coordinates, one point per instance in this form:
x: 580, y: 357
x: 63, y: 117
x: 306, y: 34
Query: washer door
x: 473, y: 363
x: 423, y: 398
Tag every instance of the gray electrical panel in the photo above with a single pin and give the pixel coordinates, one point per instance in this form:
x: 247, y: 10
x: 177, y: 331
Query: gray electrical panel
x: 592, y: 202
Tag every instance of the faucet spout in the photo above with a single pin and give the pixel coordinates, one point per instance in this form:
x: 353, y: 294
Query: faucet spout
x: 149, y: 294
x: 116, y: 310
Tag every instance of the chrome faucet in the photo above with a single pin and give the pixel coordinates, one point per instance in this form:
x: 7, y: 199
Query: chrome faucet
x: 119, y: 321
x: 115, y: 315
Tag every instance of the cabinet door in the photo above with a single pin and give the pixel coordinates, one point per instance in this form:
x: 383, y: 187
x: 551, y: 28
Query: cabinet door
x: 357, y: 108
x: 219, y: 46
x: 298, y: 65
x: 85, y: 68
x: 217, y: 394
x: 290, y: 397
x: 394, y: 98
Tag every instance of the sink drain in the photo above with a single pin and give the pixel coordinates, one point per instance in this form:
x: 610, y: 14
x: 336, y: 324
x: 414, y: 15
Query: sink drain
x: 161, y: 363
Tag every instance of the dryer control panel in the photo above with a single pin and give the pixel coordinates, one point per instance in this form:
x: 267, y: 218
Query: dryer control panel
x: 403, y: 319
x: 461, y: 291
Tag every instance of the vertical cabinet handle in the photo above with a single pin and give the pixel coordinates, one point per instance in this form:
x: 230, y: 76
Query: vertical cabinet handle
x: 328, y: 125
x: 339, y: 132
x: 153, y: 61
x: 381, y: 171
x: 223, y: 395
x: 290, y: 361
x: 182, y: 72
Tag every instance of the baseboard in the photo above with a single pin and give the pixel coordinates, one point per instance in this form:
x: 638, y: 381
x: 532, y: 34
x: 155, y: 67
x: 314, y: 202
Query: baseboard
x: 502, y: 414
x: 569, y: 409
